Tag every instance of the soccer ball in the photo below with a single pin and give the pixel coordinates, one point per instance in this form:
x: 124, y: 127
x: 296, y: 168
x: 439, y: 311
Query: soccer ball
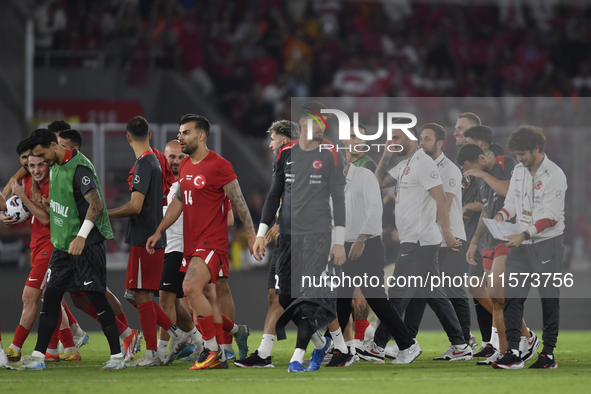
x: 16, y: 208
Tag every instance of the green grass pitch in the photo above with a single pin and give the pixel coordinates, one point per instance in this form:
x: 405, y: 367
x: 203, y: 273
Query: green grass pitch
x: 423, y: 376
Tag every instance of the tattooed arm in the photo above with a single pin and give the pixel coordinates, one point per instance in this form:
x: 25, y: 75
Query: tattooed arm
x: 93, y: 198
x: 234, y: 193
x: 480, y: 232
x: 385, y: 180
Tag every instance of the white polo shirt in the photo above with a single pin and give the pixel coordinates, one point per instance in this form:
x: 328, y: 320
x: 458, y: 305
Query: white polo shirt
x: 416, y: 210
x: 451, y: 177
x: 363, y: 204
x: 174, y: 234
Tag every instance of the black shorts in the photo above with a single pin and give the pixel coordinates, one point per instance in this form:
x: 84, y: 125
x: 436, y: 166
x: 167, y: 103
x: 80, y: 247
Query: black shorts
x: 310, y: 264
x: 272, y: 278
x: 87, y: 272
x: 172, y: 277
x: 282, y: 276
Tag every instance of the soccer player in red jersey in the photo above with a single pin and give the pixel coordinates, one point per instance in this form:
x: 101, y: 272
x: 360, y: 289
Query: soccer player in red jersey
x: 205, y: 181
x: 144, y: 270
x: 41, y: 249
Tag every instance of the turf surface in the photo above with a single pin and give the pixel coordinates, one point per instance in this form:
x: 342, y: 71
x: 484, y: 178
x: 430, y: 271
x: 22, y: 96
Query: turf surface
x: 424, y: 375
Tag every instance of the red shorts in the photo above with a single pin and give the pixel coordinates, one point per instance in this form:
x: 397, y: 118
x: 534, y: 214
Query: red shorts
x: 218, y: 263
x: 82, y: 293
x: 39, y: 263
x: 489, y: 255
x: 144, y: 270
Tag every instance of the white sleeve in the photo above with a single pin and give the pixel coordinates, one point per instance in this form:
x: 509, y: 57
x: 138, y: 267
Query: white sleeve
x: 372, y: 199
x: 429, y: 174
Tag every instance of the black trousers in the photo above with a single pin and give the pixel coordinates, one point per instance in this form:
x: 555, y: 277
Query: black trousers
x: 541, y: 260
x: 453, y: 265
x: 414, y: 266
x: 371, y: 265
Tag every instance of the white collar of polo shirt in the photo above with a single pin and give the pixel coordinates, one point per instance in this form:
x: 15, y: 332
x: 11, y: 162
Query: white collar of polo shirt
x: 439, y: 159
x: 350, y: 174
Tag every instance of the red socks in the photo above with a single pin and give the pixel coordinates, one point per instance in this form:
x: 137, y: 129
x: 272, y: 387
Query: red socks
x: 161, y: 317
x: 122, y: 318
x: 90, y: 311
x: 228, y: 324
x: 20, y: 336
x: 226, y: 337
x: 65, y: 336
x: 207, y: 328
x: 148, y: 323
x: 360, y: 327
x: 71, y: 318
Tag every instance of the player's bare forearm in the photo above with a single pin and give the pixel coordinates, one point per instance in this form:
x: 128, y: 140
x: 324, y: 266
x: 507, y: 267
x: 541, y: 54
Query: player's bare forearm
x: 499, y: 186
x: 38, y: 212
x: 234, y: 193
x: 174, y: 210
x: 133, y: 207
x: 93, y: 198
x: 481, y: 229
x: 474, y: 206
x: 2, y: 203
x: 442, y: 211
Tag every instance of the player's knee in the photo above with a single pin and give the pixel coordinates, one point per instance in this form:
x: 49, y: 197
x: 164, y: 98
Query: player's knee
x: 272, y: 298
x: 191, y: 289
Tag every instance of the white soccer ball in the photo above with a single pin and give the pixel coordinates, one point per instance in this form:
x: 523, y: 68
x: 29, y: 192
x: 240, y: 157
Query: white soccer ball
x: 16, y: 209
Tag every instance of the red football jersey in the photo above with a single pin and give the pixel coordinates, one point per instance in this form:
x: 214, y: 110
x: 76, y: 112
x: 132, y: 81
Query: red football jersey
x: 40, y: 235
x: 205, y: 209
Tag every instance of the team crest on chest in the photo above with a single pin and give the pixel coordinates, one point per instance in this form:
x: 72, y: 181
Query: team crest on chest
x: 199, y: 181
x: 317, y: 164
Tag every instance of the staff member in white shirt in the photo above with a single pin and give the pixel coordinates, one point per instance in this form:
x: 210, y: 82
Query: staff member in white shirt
x: 536, y: 199
x: 366, y: 258
x: 420, y: 204
x: 451, y: 263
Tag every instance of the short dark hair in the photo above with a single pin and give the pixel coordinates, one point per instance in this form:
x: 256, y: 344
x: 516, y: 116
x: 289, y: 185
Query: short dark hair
x: 472, y: 117
x: 469, y: 153
x: 72, y: 135
x: 138, y: 127
x: 43, y: 137
x: 286, y: 128
x: 201, y: 122
x: 23, y: 146
x: 480, y: 133
x: 526, y: 137
x: 401, y: 121
x: 311, y: 106
x: 58, y: 125
x: 359, y: 126
x: 438, y: 129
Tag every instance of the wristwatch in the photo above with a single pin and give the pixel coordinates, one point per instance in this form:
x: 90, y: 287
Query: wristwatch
x: 527, y: 236
x: 361, y: 239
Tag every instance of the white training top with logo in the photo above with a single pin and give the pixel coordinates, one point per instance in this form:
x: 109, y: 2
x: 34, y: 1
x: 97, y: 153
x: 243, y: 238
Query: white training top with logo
x: 174, y: 234
x: 451, y: 177
x: 416, y: 210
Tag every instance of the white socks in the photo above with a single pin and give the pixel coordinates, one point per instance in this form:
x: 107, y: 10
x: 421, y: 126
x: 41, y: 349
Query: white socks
x: 162, y: 346
x: 318, y: 340
x: 351, y: 346
x: 118, y: 356
x: 494, y: 338
x: 195, y: 336
x: 211, y: 344
x: 76, y: 330
x: 125, y: 334
x: 15, y: 348
x: 37, y: 354
x: 234, y: 329
x: 298, y: 355
x: 266, y: 347
x: 175, y: 332
x: 339, y: 342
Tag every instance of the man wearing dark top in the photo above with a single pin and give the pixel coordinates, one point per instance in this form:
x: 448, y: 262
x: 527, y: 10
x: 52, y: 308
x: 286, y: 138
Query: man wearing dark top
x: 354, y: 155
x: 79, y: 225
x: 144, y: 270
x: 471, y: 209
x: 314, y: 173
x: 281, y: 133
x: 493, y: 175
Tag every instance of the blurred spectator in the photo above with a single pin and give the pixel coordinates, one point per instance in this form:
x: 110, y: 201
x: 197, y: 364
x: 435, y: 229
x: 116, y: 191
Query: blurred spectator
x: 50, y: 21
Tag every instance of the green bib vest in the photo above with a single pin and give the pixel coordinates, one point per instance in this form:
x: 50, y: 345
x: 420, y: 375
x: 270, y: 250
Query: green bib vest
x: 63, y: 212
x: 363, y: 161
